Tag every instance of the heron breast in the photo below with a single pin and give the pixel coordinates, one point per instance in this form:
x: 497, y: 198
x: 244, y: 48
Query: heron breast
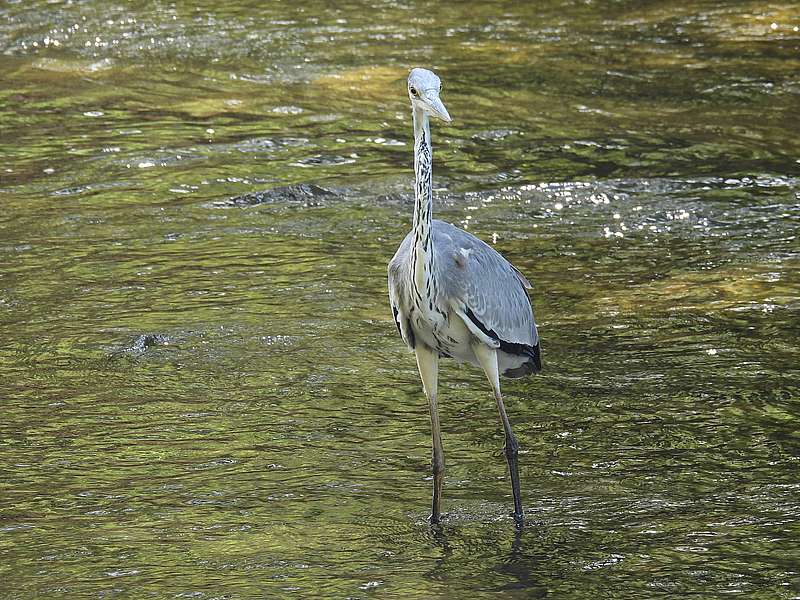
x: 444, y: 332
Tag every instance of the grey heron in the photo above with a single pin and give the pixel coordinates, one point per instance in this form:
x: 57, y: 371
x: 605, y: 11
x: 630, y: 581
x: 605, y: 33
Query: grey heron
x: 454, y: 296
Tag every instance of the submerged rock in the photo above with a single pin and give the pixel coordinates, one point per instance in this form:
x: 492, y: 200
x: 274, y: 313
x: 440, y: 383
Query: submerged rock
x: 148, y: 340
x: 304, y: 193
x: 140, y: 344
x: 396, y: 198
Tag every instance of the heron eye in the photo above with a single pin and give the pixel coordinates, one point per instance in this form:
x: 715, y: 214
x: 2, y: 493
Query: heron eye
x: 413, y: 91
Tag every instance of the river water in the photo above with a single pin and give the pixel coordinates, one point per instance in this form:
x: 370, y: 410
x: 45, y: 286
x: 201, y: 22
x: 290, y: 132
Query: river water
x: 203, y: 393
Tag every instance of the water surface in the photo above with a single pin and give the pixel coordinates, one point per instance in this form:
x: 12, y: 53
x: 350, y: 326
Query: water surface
x: 204, y: 394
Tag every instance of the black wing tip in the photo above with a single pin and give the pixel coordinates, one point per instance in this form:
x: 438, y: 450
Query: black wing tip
x: 530, y: 367
x: 534, y: 353
x: 537, y: 356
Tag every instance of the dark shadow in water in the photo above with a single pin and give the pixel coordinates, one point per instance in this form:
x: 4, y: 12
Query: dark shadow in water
x: 521, y: 567
x: 513, y: 566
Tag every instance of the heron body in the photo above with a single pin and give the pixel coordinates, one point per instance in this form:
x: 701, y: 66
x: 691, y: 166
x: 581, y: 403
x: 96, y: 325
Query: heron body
x: 456, y: 312
x: 454, y: 296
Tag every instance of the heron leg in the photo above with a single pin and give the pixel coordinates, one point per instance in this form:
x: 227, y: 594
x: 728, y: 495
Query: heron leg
x: 488, y: 360
x: 428, y: 363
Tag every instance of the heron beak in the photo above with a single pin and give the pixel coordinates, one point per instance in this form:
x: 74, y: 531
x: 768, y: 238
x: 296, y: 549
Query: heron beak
x: 437, y: 108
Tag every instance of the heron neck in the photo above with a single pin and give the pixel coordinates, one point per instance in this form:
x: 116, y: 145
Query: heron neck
x: 423, y: 188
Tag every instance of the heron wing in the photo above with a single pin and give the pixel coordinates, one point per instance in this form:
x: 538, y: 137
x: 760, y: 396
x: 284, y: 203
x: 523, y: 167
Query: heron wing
x: 398, y: 296
x: 484, y: 286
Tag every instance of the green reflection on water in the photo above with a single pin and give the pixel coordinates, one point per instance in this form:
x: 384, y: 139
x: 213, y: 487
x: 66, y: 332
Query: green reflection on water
x: 207, y: 397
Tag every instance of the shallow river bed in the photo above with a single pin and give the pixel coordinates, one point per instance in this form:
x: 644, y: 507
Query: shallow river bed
x: 203, y: 393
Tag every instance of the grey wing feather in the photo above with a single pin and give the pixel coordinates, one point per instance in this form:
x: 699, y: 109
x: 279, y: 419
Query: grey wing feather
x: 486, y: 285
x: 397, y: 290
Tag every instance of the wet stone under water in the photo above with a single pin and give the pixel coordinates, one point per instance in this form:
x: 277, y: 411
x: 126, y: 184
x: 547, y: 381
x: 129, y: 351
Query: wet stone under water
x: 203, y: 391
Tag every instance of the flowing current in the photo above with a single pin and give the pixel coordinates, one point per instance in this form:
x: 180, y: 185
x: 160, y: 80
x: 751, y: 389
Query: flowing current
x: 203, y: 393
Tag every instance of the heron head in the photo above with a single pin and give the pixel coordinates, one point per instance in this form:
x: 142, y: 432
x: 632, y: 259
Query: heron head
x: 423, y: 89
